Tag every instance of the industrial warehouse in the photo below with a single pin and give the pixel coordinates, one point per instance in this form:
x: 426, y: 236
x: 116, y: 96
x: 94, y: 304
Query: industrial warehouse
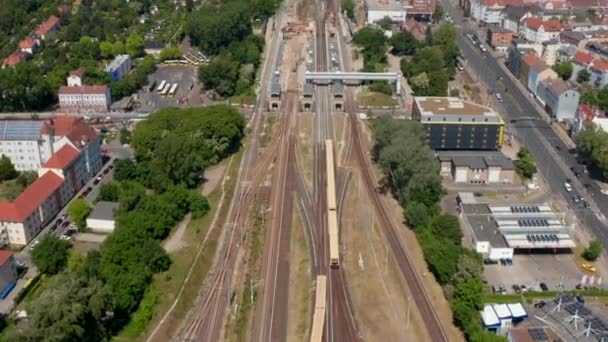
x: 496, y: 231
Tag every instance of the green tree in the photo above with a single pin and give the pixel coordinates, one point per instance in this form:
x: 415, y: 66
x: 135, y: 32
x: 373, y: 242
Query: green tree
x: 125, y: 169
x: 583, y: 76
x: 125, y: 136
x: 564, y: 70
x: 417, y: 214
x: 79, y: 210
x: 199, y: 206
x: 525, y: 165
x: 470, y: 292
x: 437, y: 13
x: 135, y: 45
x: 447, y: 227
x: 385, y: 23
x: 118, y: 48
x: 593, y: 251
x: 348, y: 6
x: 51, y: 254
x: 381, y: 87
x: 404, y: 43
x: 220, y: 75
x: 105, y: 49
x: 170, y: 52
x: 7, y: 169
x: 109, y: 192
x: 26, y: 178
x: 72, y: 308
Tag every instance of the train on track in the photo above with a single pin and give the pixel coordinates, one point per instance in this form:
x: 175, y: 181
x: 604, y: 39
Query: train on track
x: 318, y: 318
x: 332, y: 212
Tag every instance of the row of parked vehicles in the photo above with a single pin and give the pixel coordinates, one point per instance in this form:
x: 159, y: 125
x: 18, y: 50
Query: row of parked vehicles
x: 501, y: 289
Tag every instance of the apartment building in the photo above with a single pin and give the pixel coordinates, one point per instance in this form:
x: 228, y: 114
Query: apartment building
x: 119, y: 67
x: 78, y: 98
x: 455, y: 124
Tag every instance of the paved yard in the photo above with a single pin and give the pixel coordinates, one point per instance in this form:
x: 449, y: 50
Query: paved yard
x: 184, y: 76
x: 531, y: 269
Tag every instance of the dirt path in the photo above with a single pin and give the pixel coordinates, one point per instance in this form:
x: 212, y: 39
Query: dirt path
x: 175, y: 241
x: 213, y: 177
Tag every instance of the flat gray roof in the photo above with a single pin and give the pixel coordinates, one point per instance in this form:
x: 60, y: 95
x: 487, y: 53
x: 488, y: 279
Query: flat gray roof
x: 451, y: 109
x: 275, y: 89
x: 20, y: 129
x: 386, y: 5
x: 338, y: 89
x: 476, y: 159
x: 309, y: 89
x: 104, y: 211
x: 485, y: 229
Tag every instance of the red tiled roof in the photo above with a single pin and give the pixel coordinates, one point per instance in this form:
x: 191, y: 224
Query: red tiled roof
x: 530, y: 59
x: 46, y: 26
x: 31, y: 198
x: 600, y: 65
x: 585, y: 110
x: 553, y: 25
x: 539, y: 66
x: 27, y: 43
x: 4, y: 256
x: 98, y: 89
x: 62, y: 158
x: 583, y: 57
x: 15, y: 58
x: 73, y: 128
x: 533, y: 23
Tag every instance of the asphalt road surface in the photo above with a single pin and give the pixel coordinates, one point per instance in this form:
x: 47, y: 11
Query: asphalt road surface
x: 552, y: 156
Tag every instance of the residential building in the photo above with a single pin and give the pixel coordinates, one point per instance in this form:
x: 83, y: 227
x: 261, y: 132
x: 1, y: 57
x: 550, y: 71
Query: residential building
x: 27, y: 45
x: 378, y: 9
x: 599, y: 73
x: 497, y: 230
x: 8, y: 273
x: 30, y: 143
x: 22, y: 219
x: 14, y: 59
x: 101, y: 218
x: 76, y: 77
x: 581, y: 61
x: 576, y: 39
x: 50, y: 25
x: 499, y: 38
x: 513, y: 15
x: 536, y: 30
x: 527, y: 62
x: 422, y: 8
x: 539, y: 71
x: 560, y: 98
x: 119, y: 67
x: 476, y: 167
x: 455, y: 124
x: 153, y: 47
x: 517, y: 52
x: 60, y: 178
x: 585, y: 117
x: 489, y: 11
x: 78, y: 98
x: 550, y: 51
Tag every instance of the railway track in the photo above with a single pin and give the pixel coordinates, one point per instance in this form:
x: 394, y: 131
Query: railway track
x: 404, y: 263
x: 205, y: 321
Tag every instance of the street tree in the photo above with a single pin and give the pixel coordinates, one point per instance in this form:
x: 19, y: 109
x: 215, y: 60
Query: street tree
x: 525, y: 165
x: 437, y: 13
x: 404, y: 43
x: 593, y: 251
x: 78, y: 210
x: 135, y: 45
x: 51, y: 254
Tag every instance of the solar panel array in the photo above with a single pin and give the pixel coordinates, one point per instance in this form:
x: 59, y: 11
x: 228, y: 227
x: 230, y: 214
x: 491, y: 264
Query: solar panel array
x: 578, y: 307
x: 533, y: 222
x: 526, y: 209
x: 598, y: 324
x: 542, y: 238
x: 538, y: 334
x: 20, y: 130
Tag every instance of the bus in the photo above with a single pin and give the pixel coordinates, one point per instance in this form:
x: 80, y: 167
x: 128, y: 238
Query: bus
x: 152, y: 86
x: 173, y: 89
x: 161, y: 86
x: 165, y: 90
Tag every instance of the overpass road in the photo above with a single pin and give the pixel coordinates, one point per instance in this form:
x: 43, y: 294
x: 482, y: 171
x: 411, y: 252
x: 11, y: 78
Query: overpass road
x: 531, y: 128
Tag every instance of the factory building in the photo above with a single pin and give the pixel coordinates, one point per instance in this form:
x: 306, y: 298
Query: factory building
x: 455, y: 124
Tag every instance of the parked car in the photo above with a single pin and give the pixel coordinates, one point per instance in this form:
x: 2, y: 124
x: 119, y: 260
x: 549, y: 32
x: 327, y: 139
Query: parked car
x: 499, y: 97
x: 589, y: 267
x: 516, y: 288
x: 65, y: 224
x: 580, y: 299
x: 540, y: 304
x: 543, y: 287
x: 568, y: 187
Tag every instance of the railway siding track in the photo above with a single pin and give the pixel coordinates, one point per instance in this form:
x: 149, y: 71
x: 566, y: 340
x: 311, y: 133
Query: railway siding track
x: 425, y: 307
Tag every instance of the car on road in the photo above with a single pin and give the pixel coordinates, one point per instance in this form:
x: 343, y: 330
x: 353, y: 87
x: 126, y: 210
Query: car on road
x: 587, y: 186
x: 105, y: 172
x: 543, y: 287
x: 589, y: 267
x: 604, y: 191
x: 65, y: 224
x: 568, y: 186
x: 482, y: 47
x: 499, y: 97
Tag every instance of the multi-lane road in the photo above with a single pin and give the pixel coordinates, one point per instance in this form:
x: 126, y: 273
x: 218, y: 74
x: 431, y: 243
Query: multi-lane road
x: 532, y: 129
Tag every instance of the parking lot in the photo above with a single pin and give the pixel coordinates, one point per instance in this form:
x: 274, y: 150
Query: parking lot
x: 532, y: 269
x: 184, y: 76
